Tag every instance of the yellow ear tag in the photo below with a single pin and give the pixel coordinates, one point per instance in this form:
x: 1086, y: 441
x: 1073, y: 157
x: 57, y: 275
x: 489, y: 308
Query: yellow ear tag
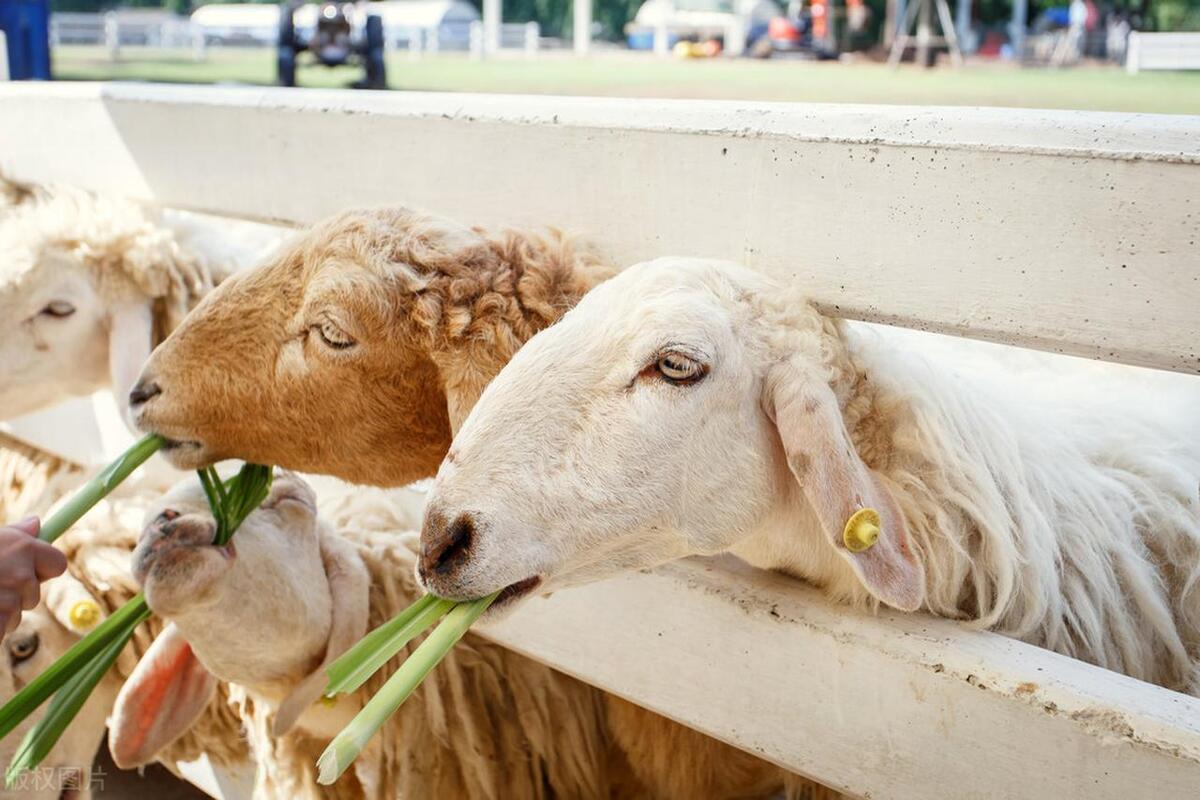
x: 84, y: 614
x: 862, y: 530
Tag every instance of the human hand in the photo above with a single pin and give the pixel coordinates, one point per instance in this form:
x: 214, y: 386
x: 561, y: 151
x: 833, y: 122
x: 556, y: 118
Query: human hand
x: 25, y: 562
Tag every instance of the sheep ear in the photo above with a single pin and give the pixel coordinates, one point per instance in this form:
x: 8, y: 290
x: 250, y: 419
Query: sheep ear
x: 349, y: 586
x: 167, y: 692
x: 130, y: 340
x: 838, y: 485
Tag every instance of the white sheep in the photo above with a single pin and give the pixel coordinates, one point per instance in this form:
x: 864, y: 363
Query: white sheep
x: 289, y: 595
x: 44, y: 634
x: 688, y: 407
x: 88, y: 286
x: 98, y: 582
x: 393, y: 321
x: 488, y: 723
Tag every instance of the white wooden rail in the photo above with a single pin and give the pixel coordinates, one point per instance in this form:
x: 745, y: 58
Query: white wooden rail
x: 1060, y: 230
x: 1173, y: 51
x: 1065, y: 231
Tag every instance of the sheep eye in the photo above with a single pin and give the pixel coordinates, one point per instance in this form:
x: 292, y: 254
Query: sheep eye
x: 23, y: 648
x: 58, y: 309
x: 679, y: 369
x: 333, y: 336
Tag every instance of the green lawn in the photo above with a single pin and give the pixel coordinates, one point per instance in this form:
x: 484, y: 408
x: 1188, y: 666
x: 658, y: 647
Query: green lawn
x: 636, y: 75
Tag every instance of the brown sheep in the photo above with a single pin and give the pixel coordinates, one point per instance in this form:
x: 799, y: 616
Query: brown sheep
x: 357, y: 352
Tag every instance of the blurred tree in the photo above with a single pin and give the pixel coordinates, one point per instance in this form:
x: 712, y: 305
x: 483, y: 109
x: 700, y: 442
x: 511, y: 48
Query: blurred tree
x: 1175, y: 15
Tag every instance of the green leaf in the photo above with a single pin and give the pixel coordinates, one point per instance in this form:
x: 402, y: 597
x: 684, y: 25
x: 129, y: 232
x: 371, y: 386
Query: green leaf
x: 346, y: 746
x: 99, y: 487
x: 54, y: 677
x: 354, y: 667
x: 67, y: 701
x: 73, y: 677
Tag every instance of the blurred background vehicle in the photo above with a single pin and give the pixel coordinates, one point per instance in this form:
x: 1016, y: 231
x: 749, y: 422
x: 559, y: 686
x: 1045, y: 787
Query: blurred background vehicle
x: 342, y: 33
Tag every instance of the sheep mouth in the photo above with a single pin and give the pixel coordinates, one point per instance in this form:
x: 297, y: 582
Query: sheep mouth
x: 172, y: 445
x: 181, y: 451
x: 514, y: 592
x: 184, y: 453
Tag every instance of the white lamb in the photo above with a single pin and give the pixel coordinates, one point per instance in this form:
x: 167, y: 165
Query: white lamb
x: 290, y: 594
x: 690, y: 407
x: 88, y: 286
x: 98, y: 581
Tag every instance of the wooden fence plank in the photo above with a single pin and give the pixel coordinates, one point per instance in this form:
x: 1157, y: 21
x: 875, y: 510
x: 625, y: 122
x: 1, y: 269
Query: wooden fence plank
x: 1067, y: 231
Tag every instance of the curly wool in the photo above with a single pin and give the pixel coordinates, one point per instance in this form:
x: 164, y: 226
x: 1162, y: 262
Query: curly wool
x: 30, y: 479
x: 14, y: 193
x: 128, y: 245
x: 1051, y: 513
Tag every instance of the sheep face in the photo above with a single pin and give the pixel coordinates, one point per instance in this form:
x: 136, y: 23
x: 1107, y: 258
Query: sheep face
x: 25, y: 653
x: 85, y: 286
x: 54, y: 329
x: 311, y: 361
x: 626, y: 435
x: 267, y: 612
x: 256, y: 610
x: 685, y: 407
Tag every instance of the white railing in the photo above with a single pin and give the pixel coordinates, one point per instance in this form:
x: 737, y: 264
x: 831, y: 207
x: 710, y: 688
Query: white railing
x: 1162, y: 51
x: 524, y: 37
x: 118, y: 30
x: 1065, y: 231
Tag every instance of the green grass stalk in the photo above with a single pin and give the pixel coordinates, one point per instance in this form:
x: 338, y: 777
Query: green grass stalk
x: 67, y: 702
x: 99, y: 487
x: 347, y: 745
x: 352, y: 669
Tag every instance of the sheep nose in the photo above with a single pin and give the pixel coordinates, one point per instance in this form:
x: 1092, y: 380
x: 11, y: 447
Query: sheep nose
x: 445, y: 547
x: 143, y: 391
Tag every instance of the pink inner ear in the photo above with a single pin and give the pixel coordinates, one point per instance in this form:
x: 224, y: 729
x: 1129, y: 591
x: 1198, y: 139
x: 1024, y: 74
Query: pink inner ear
x: 166, y: 693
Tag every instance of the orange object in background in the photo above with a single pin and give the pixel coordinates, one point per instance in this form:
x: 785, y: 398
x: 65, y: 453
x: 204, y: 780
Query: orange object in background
x: 780, y: 29
x: 820, y: 18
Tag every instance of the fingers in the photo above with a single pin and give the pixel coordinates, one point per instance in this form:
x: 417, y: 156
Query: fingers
x: 24, y: 563
x: 10, y: 609
x: 48, y: 561
x: 31, y: 595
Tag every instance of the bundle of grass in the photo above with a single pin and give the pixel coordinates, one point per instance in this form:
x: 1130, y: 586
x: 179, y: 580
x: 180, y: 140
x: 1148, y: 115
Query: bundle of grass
x: 360, y: 662
x: 69, y: 681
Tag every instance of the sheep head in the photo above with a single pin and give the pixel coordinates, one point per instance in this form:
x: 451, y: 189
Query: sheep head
x: 85, y: 286
x: 684, y: 407
x: 45, y: 634
x: 356, y: 351
x: 266, y: 611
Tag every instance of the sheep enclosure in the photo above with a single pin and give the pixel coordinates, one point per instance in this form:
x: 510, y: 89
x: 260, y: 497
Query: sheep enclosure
x: 1069, y: 232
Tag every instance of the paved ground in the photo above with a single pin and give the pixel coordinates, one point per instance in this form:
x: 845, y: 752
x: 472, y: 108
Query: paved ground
x: 639, y: 75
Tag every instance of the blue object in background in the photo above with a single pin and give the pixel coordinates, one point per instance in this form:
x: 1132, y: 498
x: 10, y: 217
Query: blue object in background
x: 642, y: 39
x: 26, y: 26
